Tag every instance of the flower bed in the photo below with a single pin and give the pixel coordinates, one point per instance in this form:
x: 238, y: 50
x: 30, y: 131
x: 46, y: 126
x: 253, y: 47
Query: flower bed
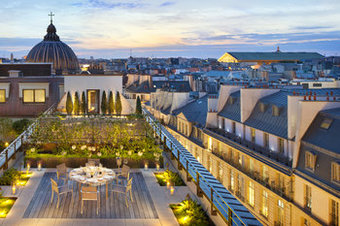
x: 190, y: 213
x: 5, y: 206
x: 172, y: 177
x: 12, y: 175
x: 51, y: 161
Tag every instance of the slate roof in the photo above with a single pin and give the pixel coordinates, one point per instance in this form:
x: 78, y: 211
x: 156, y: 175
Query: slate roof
x: 324, y: 143
x: 282, y: 56
x: 266, y: 121
x: 145, y: 87
x: 195, y: 111
x: 215, y: 73
x: 325, y: 138
x: 277, y: 125
x: 232, y: 111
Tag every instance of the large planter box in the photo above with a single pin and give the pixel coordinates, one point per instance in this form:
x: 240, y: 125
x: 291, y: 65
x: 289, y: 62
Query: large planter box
x: 52, y: 162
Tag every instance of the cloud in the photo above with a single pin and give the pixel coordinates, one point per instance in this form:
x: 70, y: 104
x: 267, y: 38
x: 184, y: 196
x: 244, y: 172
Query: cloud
x: 312, y: 27
x: 167, y: 4
x: 105, y: 4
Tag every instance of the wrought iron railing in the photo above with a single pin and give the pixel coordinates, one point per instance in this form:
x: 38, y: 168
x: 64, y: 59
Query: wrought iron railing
x: 221, y: 200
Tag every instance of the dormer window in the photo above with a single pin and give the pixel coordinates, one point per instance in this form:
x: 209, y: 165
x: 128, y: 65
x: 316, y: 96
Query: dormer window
x: 231, y: 100
x: 326, y: 123
x: 263, y: 107
x: 310, y: 160
x: 275, y: 110
x: 336, y: 172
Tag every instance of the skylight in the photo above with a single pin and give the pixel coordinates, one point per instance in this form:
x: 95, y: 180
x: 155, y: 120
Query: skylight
x: 326, y: 123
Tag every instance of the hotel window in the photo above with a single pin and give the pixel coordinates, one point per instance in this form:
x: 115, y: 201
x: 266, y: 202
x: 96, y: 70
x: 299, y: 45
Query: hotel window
x: 308, y: 197
x: 232, y: 181
x: 240, y: 159
x: 233, y: 127
x: 281, y: 146
x: 251, y: 194
x: 251, y: 165
x: 33, y: 95
x: 252, y: 133
x: 336, y: 172
x: 266, y: 140
x: 223, y: 124
x: 280, y: 214
x: 240, y: 187
x: 2, y: 95
x: 265, y: 173
x: 265, y: 203
x: 220, y: 172
x: 310, y: 160
x: 334, y: 213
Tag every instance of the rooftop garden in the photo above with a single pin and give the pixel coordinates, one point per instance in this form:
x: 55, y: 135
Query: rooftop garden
x: 10, y: 129
x: 169, y: 178
x: 6, y: 205
x: 190, y: 213
x: 74, y: 140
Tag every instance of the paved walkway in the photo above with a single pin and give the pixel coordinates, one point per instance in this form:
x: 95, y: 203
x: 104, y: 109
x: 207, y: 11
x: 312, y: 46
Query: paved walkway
x: 160, y: 196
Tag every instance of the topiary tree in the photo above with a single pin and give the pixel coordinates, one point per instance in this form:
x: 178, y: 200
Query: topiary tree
x: 69, y: 104
x: 76, y: 104
x: 138, y: 106
x: 118, y: 104
x: 111, y: 104
x: 20, y: 125
x: 83, y: 104
x: 104, y: 103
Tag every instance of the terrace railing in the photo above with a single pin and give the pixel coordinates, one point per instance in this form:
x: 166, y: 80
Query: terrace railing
x: 221, y: 200
x: 13, y: 147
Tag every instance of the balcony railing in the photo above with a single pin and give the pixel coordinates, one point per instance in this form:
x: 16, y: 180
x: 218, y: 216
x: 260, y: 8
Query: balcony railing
x: 281, y: 158
x: 281, y: 191
x: 13, y: 147
x: 221, y: 200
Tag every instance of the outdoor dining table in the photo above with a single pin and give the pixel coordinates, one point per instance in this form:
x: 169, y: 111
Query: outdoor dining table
x: 93, y: 176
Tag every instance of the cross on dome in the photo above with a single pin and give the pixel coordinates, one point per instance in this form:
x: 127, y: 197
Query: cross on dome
x: 51, y: 15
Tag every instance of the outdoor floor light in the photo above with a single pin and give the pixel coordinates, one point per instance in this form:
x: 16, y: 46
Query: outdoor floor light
x: 28, y: 168
x: 14, y: 188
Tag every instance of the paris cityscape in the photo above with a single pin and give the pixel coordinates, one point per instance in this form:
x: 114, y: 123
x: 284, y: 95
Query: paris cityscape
x: 187, y: 113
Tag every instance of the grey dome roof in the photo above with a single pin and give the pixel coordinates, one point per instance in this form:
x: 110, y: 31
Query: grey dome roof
x: 51, y: 49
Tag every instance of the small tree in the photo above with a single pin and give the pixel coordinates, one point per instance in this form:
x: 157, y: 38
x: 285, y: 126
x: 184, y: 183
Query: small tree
x: 111, y: 104
x: 118, y: 104
x: 83, y: 103
x: 69, y: 104
x: 104, y: 103
x: 76, y: 104
x: 138, y: 106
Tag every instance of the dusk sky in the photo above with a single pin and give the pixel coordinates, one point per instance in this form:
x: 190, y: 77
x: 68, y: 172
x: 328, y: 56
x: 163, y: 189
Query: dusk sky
x: 188, y: 28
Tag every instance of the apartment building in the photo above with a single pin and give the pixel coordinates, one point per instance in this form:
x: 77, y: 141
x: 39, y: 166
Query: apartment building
x: 252, y: 140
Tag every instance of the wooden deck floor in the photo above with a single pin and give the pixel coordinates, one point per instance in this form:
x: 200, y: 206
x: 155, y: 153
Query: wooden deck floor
x: 112, y: 208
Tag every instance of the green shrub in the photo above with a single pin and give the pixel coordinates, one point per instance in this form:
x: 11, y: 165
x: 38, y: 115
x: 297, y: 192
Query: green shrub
x: 76, y: 105
x: 69, y: 104
x: 104, y: 103
x: 10, y: 176
x: 168, y: 175
x: 20, y: 125
x: 83, y: 104
x: 111, y: 104
x: 138, y: 106
x: 118, y: 104
x: 190, y: 213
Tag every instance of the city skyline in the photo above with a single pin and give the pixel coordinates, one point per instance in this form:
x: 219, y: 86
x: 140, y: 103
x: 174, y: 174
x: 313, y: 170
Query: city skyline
x: 110, y: 29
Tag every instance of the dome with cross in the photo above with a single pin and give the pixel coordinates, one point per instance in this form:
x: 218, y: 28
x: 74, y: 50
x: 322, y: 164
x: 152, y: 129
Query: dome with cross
x: 52, y: 50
